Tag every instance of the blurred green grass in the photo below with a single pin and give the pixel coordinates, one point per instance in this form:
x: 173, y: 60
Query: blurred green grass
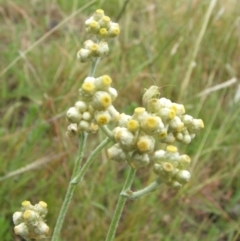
x: 156, y: 42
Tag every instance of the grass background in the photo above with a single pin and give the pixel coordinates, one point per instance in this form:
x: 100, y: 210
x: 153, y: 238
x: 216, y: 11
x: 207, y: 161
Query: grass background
x: 40, y: 77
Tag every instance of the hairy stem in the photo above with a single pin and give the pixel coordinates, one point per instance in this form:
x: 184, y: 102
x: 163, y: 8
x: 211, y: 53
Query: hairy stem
x: 120, y: 206
x: 70, y: 190
x: 89, y: 161
x: 93, y: 67
x: 140, y: 193
x: 76, y: 178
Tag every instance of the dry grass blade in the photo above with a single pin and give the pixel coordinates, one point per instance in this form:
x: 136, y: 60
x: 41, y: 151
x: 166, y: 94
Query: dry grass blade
x: 45, y: 36
x: 34, y: 165
x: 218, y: 87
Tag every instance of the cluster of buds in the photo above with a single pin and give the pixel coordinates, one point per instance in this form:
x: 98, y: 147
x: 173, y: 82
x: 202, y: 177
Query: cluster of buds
x: 179, y: 126
x: 171, y: 167
x: 94, y: 106
x: 101, y: 26
x: 29, y: 221
x: 163, y: 121
x: 92, y: 50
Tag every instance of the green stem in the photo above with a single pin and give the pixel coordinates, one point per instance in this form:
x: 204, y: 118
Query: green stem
x: 70, y: 190
x: 119, y: 207
x: 76, y: 178
x: 93, y: 67
x: 107, y: 132
x: 140, y: 193
x: 89, y: 161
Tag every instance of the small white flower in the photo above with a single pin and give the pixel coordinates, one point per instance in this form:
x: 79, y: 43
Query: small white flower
x: 116, y: 153
x: 73, y: 115
x: 17, y: 218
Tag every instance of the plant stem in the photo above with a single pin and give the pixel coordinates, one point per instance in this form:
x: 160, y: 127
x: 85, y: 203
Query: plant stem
x: 140, y: 193
x: 119, y: 208
x: 76, y: 178
x: 93, y: 67
x: 70, y: 190
x: 107, y: 132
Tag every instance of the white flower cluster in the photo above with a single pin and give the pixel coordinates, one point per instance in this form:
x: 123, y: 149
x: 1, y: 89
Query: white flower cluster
x: 178, y: 126
x: 29, y: 222
x: 94, y: 106
x: 92, y: 50
x: 162, y: 121
x: 101, y: 26
x: 171, y: 167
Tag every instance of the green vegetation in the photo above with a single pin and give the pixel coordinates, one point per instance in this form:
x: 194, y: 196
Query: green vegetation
x: 39, y: 75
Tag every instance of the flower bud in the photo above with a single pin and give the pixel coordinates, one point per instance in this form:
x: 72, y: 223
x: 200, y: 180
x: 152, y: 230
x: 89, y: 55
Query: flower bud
x: 17, y: 218
x: 30, y: 216
x: 140, y: 114
x: 84, y: 55
x: 102, y: 117
x: 104, y: 22
x: 124, y: 137
x: 88, y: 44
x: 113, y: 30
x: 99, y: 13
x: 187, y: 120
x: 178, y: 108
x: 84, y: 125
x: 101, y: 100
x: 145, y: 143
x: 92, y: 27
x: 88, y: 88
x: 184, y: 161
x: 165, y: 103
x: 103, y: 82
x: 159, y: 156
x: 176, y: 124
x: 176, y: 185
x: 169, y: 138
x: 183, y: 176
x: 116, y: 153
x: 81, y: 106
x: 41, y: 229
x: 73, y: 115
x: 103, y: 33
x: 196, y: 126
x: 162, y: 133
x: 139, y: 160
x: 123, y: 119
x: 27, y: 205
x: 41, y: 208
x: 89, y: 79
x: 93, y: 128
x: 167, y: 114
x: 21, y: 230
x: 87, y: 116
x: 132, y: 125
x: 152, y: 124
x: 72, y: 130
x: 172, y: 154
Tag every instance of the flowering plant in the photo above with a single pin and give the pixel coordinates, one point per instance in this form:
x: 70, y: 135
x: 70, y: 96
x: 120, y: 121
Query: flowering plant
x: 134, y: 139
